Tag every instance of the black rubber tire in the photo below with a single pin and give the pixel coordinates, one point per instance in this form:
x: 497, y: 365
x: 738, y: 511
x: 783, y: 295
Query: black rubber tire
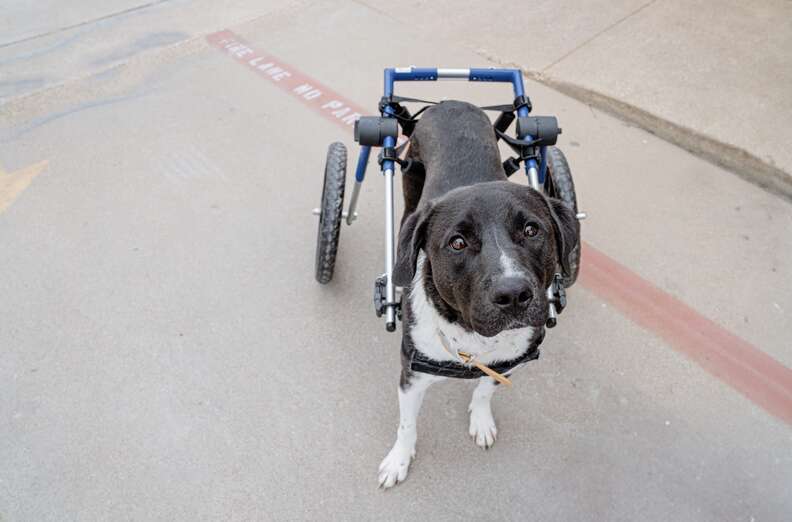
x: 559, y: 185
x: 330, y: 209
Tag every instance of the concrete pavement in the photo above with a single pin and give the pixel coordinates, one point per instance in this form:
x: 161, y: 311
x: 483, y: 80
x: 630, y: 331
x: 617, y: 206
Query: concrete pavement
x: 167, y: 354
x: 44, y: 45
x: 712, y: 77
x: 673, y: 68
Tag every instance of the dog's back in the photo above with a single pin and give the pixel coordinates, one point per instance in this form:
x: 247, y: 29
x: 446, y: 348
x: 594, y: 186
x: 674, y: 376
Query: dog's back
x: 456, y: 144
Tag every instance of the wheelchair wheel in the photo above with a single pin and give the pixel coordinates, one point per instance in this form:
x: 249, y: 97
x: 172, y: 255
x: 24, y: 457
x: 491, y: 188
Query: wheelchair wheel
x: 559, y: 185
x: 330, y: 211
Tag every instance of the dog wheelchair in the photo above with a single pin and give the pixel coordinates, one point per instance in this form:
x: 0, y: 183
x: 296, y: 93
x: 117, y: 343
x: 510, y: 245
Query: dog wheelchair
x: 533, y: 145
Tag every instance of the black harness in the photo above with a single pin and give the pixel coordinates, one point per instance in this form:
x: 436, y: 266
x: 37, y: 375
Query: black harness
x: 544, y: 129
x: 421, y: 363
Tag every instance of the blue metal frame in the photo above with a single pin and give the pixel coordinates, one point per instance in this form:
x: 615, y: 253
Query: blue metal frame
x: 363, y: 157
x: 431, y: 74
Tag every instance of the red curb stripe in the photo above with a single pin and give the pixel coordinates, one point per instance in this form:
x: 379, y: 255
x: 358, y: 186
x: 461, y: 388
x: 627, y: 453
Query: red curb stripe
x: 747, y: 369
x: 322, y: 99
x: 734, y: 361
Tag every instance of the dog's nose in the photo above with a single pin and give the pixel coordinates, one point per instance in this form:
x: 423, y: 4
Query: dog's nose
x: 512, y: 292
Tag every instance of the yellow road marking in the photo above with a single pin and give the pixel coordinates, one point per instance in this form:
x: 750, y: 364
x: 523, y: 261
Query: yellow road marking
x: 13, y: 183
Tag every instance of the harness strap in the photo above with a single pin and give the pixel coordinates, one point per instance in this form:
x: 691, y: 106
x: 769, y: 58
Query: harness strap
x: 504, y: 120
x: 421, y: 363
x: 408, y: 121
x: 401, y: 113
x: 502, y: 123
x: 520, y: 101
x: 469, y: 359
x: 515, y: 143
x: 397, y: 99
x: 408, y: 165
x: 498, y: 108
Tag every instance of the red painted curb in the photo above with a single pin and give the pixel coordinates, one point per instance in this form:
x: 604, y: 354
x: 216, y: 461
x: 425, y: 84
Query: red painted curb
x: 328, y: 103
x: 747, y: 369
x: 736, y: 362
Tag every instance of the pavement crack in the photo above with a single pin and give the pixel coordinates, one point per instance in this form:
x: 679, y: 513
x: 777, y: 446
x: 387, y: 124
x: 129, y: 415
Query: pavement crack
x: 84, y: 23
x: 598, y: 34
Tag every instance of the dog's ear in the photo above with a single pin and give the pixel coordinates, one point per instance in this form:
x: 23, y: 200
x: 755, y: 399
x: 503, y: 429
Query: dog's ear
x: 567, y: 230
x: 412, y: 238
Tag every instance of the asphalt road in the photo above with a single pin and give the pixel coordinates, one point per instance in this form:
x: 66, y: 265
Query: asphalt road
x: 167, y: 354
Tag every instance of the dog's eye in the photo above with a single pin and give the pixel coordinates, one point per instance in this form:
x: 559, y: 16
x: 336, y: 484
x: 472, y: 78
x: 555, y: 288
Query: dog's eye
x: 531, y: 230
x: 457, y: 243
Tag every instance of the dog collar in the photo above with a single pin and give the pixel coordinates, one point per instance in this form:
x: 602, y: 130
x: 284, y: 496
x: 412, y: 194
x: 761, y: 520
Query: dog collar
x: 469, y: 368
x: 472, y: 359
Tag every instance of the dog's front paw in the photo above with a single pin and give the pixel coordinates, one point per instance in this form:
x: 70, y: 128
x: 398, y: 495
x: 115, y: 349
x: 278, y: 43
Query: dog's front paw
x: 482, y: 426
x: 394, y: 467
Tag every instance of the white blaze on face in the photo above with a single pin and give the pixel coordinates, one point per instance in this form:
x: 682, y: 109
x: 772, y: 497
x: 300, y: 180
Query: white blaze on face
x: 508, y: 266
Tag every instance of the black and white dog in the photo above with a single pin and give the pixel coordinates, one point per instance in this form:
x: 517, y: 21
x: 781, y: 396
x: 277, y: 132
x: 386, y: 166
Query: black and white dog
x: 476, y: 255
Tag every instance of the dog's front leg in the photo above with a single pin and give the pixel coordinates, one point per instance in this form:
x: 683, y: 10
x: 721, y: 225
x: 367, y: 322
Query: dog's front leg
x: 411, y: 394
x: 482, y: 424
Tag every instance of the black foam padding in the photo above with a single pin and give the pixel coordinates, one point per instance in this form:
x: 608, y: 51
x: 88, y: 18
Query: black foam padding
x: 544, y: 128
x: 372, y: 130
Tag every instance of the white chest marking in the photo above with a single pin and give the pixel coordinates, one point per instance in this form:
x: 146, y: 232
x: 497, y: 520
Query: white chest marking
x: 427, y: 324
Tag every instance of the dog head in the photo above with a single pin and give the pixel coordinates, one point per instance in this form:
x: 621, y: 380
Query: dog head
x: 491, y: 253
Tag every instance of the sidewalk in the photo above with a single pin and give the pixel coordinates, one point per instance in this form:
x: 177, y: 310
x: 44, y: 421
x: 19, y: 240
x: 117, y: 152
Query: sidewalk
x: 713, y: 78
x: 168, y: 355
